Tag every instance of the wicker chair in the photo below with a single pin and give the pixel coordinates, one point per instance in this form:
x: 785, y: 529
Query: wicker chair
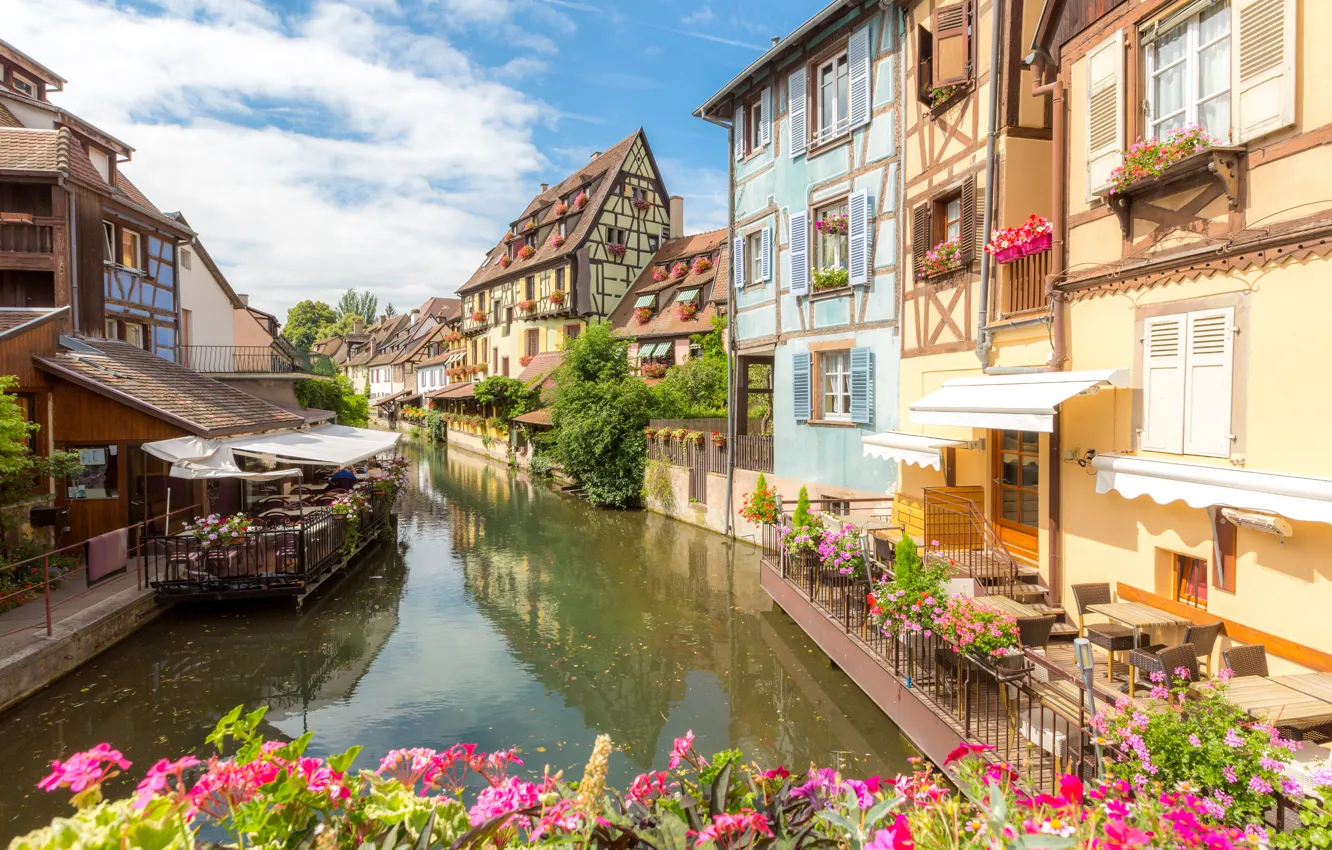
x: 1034, y: 632
x: 1246, y: 660
x: 1112, y: 637
x: 1203, y: 639
x: 1174, y: 657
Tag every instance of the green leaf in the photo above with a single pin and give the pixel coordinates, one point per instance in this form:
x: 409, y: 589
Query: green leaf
x: 296, y: 749
x: 423, y: 840
x: 1042, y: 842
x: 342, y: 762
x: 881, y: 810
x: 223, y: 728
x: 720, y: 788
x: 838, y: 819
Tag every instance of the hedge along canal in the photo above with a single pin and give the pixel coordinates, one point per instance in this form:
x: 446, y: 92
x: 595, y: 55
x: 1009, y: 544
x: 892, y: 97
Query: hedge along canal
x: 509, y: 614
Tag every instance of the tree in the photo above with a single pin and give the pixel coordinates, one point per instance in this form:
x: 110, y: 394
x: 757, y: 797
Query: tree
x: 338, y: 395
x: 389, y: 310
x: 341, y: 327
x: 20, y: 469
x: 306, y: 322
x: 695, y: 389
x: 363, y: 303
x: 599, y: 414
x: 509, y: 396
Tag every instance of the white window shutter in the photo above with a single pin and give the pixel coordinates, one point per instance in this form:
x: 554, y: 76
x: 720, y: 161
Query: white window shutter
x: 857, y: 237
x: 799, y: 248
x: 738, y: 261
x: 795, y: 112
x: 1163, y: 383
x: 858, y: 73
x: 739, y: 134
x: 765, y: 116
x: 765, y: 243
x: 1208, y: 380
x: 800, y: 385
x: 862, y: 386
x: 1262, y: 66
x: 1105, y: 111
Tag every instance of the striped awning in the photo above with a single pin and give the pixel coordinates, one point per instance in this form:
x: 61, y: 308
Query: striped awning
x: 687, y: 295
x: 645, y: 301
x: 654, y: 349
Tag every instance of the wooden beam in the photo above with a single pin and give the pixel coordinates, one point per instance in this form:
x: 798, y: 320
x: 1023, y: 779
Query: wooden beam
x: 21, y: 262
x: 1314, y: 659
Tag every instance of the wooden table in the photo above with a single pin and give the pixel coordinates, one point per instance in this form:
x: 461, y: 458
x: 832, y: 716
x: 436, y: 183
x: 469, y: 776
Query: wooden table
x: 1314, y: 684
x: 1278, y: 703
x: 1009, y: 606
x: 1139, y: 617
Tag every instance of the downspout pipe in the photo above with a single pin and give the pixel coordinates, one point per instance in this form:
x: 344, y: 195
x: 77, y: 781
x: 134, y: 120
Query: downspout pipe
x: 983, y: 343
x: 732, y: 361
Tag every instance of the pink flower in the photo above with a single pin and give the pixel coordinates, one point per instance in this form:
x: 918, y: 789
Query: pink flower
x: 965, y: 749
x: 648, y: 785
x: 511, y: 795
x: 728, y: 826
x: 895, y: 837
x: 156, y: 780
x: 84, y: 770
x: 1229, y: 772
x: 1234, y: 739
x: 681, y: 749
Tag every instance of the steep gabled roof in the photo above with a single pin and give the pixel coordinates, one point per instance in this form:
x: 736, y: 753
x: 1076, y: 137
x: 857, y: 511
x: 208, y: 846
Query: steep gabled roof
x: 664, y: 322
x: 543, y: 206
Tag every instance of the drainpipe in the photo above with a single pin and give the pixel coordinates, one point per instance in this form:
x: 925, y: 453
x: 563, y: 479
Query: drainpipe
x: 983, y: 343
x: 732, y: 360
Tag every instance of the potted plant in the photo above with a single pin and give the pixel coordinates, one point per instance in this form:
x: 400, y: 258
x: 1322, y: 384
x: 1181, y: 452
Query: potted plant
x: 701, y: 265
x: 526, y: 252
x: 478, y: 315
x: 694, y: 438
x: 557, y: 297
x: 834, y: 224
x: 561, y: 208
x: 825, y: 279
x: 616, y: 250
x: 679, y: 270
x: 641, y: 204
x: 719, y: 440
x: 649, y: 432
x: 642, y: 314
x: 556, y: 240
x: 527, y: 305
x: 1151, y: 157
x: 1013, y: 243
x: 760, y: 506
x: 975, y: 629
x: 942, y: 258
x: 531, y: 223
x: 912, y: 600
x: 942, y: 94
x: 653, y: 370
x: 659, y: 273
x: 841, y: 556
x: 505, y: 261
x: 217, y: 530
x: 581, y: 200
x: 686, y: 310
x: 525, y: 360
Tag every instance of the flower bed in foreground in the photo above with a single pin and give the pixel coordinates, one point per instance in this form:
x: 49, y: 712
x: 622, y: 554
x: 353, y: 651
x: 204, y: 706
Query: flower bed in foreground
x: 269, y: 794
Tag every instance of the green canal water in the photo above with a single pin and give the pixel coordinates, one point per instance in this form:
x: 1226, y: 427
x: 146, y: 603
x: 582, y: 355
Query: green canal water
x: 507, y: 614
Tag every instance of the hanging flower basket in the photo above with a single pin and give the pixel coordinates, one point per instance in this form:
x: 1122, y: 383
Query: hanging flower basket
x: 686, y: 310
x: 649, y: 432
x: 679, y: 270
x: 832, y: 224
x: 694, y: 438
x: 642, y: 204
x: 616, y: 250
x: 719, y: 439
x: 478, y: 316
x: 527, y: 305
x: 557, y: 297
x: 561, y: 208
x: 659, y: 273
x: 505, y: 261
x: 642, y: 314
x: 556, y: 240
x: 701, y: 264
x: 1013, y: 243
x: 581, y: 200
x: 942, y: 258
x: 526, y: 252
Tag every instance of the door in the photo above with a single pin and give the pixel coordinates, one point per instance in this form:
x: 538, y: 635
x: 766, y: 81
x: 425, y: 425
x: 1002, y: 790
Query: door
x: 1016, y: 502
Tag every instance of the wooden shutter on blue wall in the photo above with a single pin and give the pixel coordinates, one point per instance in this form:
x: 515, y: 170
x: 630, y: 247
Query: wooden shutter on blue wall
x: 739, y: 134
x: 765, y: 246
x: 738, y: 261
x: 765, y: 116
x: 858, y: 72
x: 799, y: 244
x: 857, y: 238
x: 800, y: 378
x: 862, y: 386
x: 795, y: 94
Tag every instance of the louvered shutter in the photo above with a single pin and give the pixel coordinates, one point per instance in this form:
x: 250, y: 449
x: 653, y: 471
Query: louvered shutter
x: 800, y: 374
x: 952, y: 52
x: 1262, y: 69
x: 795, y: 112
x: 765, y: 258
x: 1207, y: 382
x: 1163, y: 383
x: 738, y: 261
x: 1105, y: 111
x: 799, y: 247
x: 739, y: 134
x: 765, y: 116
x: 858, y: 77
x: 920, y: 237
x: 862, y: 386
x: 857, y: 237
x: 924, y: 64
x: 970, y: 237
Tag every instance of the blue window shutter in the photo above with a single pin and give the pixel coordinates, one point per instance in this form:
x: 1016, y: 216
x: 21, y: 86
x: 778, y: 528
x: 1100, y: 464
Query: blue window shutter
x: 862, y: 386
x: 857, y: 214
x: 739, y: 134
x: 765, y: 116
x: 858, y: 71
x: 795, y: 112
x: 765, y: 246
x: 799, y: 244
x: 800, y: 364
x: 738, y: 261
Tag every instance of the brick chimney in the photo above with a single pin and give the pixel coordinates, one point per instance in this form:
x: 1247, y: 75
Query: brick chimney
x: 677, y: 216
x: 544, y: 187
x: 358, y: 326
x: 244, y: 299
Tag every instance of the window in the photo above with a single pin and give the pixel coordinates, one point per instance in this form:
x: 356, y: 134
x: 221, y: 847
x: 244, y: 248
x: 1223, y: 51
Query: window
x: 754, y: 127
x: 754, y: 257
x: 532, y: 342
x: 504, y: 366
x: 1188, y: 75
x: 98, y: 478
x: 1017, y: 484
x: 23, y: 85
x: 639, y: 194
x: 831, y: 104
x: 1188, y: 372
x: 653, y: 241
x: 494, y: 354
x: 830, y: 228
x: 687, y: 296
x: 563, y: 227
x: 836, y: 372
x: 950, y: 217
x: 185, y: 259
x: 129, y: 249
x: 571, y: 332
x: 112, y: 329
x: 617, y: 236
x: 1189, y: 581
x: 559, y: 278
x: 109, y: 235
x: 186, y: 327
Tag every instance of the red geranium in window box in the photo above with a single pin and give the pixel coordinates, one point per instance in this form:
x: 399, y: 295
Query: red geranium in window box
x: 616, y: 250
x: 525, y: 360
x: 659, y: 273
x: 557, y: 297
x: 642, y: 314
x: 556, y: 240
x: 526, y: 252
x: 561, y: 208
x: 505, y: 261
x: 581, y: 200
x: 686, y: 310
x: 701, y: 264
x: 526, y: 305
x: 641, y: 204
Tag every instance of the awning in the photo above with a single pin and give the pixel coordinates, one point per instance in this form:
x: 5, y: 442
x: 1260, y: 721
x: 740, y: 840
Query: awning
x: 920, y: 449
x: 1010, y: 402
x: 197, y: 458
x: 645, y: 301
x: 687, y: 295
x: 379, y: 402
x: 327, y: 445
x: 455, y: 357
x: 1203, y: 486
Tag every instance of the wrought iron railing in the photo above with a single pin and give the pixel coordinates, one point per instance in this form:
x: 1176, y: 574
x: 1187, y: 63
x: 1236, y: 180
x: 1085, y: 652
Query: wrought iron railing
x: 959, y: 531
x: 254, y: 359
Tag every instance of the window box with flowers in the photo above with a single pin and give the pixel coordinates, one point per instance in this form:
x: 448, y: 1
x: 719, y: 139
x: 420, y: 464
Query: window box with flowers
x: 719, y: 439
x: 679, y: 270
x: 941, y: 96
x: 944, y: 258
x: 556, y: 240
x: 581, y: 200
x: 478, y: 316
x: 531, y: 224
x: 686, y: 310
x: 653, y: 370
x: 642, y: 314
x: 826, y: 279
x: 505, y: 261
x: 1010, y: 244
x: 525, y: 360
x: 526, y: 252
x: 561, y: 208
x: 617, y: 250
x: 527, y: 305
x: 659, y: 273
x: 641, y: 204
x: 453, y: 337
x: 1183, y: 154
x: 701, y: 265
x: 557, y: 297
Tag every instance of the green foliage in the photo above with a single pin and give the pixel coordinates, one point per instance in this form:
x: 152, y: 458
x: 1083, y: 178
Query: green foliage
x: 830, y: 279
x: 342, y: 326
x: 337, y: 395
x: 20, y: 469
x: 510, y: 397
x: 540, y: 466
x: 436, y: 429
x: 599, y: 413
x: 1315, y: 829
x: 389, y: 310
x: 802, y: 518
x: 362, y: 303
x: 760, y: 507
x: 695, y: 389
x: 657, y: 485
x: 306, y: 322
x: 713, y: 342
x: 915, y: 595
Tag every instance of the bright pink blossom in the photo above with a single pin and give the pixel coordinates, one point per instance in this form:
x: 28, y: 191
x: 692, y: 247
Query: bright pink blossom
x: 682, y: 748
x: 84, y: 770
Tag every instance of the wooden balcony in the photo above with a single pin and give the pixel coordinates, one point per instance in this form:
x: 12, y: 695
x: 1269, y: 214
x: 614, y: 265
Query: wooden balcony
x: 1024, y: 284
x: 27, y: 244
x: 253, y: 360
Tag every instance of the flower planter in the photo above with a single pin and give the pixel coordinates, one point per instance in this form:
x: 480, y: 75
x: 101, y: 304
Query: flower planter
x: 1013, y: 253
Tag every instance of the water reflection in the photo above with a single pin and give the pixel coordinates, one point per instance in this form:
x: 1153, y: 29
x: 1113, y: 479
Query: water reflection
x: 509, y: 614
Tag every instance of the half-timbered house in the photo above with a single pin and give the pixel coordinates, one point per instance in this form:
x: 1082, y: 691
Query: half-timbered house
x: 568, y: 259
x: 815, y: 175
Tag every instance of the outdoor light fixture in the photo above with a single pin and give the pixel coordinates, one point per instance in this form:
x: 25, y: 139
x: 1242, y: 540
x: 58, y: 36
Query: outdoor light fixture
x: 1082, y: 650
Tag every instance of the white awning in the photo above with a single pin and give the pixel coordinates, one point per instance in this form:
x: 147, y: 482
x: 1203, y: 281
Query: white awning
x: 1202, y: 486
x: 196, y: 458
x: 1010, y: 402
x: 326, y: 445
x: 920, y: 449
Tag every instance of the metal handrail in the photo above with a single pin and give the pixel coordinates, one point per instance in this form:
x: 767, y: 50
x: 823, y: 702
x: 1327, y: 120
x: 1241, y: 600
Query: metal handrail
x: 966, y: 537
x: 253, y: 359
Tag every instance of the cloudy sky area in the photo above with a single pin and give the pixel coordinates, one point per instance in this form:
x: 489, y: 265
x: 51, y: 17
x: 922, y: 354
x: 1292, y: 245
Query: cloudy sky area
x: 322, y: 144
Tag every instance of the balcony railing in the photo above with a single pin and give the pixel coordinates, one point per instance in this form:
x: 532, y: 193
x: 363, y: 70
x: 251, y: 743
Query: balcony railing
x: 26, y: 238
x: 254, y: 360
x: 1025, y: 283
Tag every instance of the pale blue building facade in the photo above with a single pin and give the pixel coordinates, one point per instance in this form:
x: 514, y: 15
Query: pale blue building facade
x: 815, y: 128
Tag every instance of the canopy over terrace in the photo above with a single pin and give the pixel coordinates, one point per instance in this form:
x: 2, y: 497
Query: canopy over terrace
x: 1024, y: 402
x: 327, y: 445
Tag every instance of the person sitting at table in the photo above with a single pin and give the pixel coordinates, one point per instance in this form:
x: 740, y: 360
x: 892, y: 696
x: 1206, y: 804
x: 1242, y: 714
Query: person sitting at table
x: 374, y: 471
x: 344, y: 477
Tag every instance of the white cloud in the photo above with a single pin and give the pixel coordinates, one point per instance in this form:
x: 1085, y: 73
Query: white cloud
x: 324, y: 151
x: 702, y: 16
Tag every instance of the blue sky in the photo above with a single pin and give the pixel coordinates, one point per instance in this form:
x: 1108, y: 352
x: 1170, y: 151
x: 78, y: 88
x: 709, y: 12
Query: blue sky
x: 321, y: 144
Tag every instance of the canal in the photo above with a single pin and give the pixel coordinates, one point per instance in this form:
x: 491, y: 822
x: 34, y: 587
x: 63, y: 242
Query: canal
x: 507, y: 614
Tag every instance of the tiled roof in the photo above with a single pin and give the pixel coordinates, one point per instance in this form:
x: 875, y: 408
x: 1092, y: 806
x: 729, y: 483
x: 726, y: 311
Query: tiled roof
x: 466, y: 390
x: 541, y: 366
x: 380, y: 402
x: 34, y: 150
x: 536, y: 417
x: 664, y: 322
x: 7, y: 118
x: 12, y: 319
x: 441, y: 308
x: 442, y: 357
x: 543, y: 204
x: 130, y: 191
x: 167, y: 390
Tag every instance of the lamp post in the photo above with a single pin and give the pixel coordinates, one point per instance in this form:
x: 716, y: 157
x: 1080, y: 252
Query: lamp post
x: 1082, y: 650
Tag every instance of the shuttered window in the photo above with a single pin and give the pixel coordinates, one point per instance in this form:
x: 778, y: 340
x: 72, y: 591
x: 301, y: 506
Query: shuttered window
x: 1188, y: 376
x: 858, y: 60
x: 1188, y: 70
x: 921, y: 232
x: 799, y: 252
x: 1263, y: 78
x: 800, y: 375
x: 738, y: 133
x: 738, y: 261
x: 1105, y: 111
x: 765, y: 251
x: 972, y: 238
x: 952, y: 44
x: 795, y: 110
x: 924, y: 66
x: 862, y: 386
x: 765, y: 116
x: 858, y: 238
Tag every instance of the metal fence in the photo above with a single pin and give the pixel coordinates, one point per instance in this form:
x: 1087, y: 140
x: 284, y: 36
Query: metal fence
x: 754, y: 453
x: 253, y: 359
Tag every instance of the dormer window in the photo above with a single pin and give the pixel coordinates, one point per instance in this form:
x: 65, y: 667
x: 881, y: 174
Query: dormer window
x: 23, y: 85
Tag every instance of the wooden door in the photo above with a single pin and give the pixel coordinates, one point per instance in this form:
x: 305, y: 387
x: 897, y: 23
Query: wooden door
x: 1015, y: 508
